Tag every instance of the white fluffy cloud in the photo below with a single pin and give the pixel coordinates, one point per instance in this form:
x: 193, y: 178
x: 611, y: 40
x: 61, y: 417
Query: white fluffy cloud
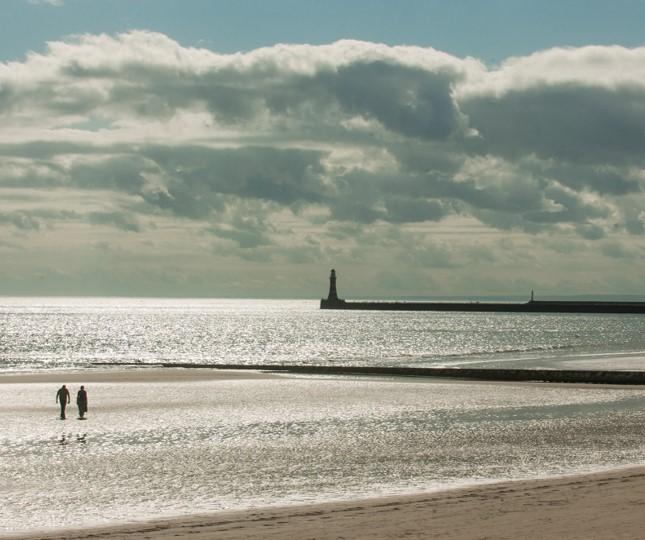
x: 266, y: 154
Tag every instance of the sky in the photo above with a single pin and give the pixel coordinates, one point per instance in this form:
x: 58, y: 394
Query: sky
x: 243, y: 148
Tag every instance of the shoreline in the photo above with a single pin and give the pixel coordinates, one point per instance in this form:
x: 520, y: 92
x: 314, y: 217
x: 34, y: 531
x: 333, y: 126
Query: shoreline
x: 597, y: 505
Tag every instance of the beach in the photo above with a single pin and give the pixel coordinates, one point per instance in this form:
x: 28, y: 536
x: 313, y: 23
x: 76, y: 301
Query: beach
x: 286, y: 457
x: 594, y: 506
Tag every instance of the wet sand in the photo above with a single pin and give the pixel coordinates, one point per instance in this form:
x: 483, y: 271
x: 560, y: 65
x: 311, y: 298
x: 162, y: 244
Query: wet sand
x: 133, y: 375
x: 595, y: 506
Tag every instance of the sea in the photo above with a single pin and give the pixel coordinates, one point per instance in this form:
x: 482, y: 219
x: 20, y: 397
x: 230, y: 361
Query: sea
x: 170, y: 448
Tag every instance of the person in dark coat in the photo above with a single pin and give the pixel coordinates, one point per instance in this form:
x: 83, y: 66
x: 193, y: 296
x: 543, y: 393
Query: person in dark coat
x: 81, y: 401
x: 62, y: 397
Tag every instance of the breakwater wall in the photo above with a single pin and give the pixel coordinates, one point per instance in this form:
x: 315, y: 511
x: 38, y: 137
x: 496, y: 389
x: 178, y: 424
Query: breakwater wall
x: 533, y: 306
x: 483, y: 374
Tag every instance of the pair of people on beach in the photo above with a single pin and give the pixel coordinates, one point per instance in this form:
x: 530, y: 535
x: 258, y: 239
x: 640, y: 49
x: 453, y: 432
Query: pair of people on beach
x: 63, y: 398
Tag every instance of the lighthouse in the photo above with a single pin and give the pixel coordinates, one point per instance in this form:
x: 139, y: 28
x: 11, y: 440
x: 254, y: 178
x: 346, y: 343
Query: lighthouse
x: 332, y: 299
x: 333, y: 295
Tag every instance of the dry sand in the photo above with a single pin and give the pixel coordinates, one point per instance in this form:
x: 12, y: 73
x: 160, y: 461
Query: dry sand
x: 606, y: 505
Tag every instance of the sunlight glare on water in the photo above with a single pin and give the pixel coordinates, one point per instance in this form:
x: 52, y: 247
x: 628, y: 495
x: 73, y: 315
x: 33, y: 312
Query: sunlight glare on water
x: 60, y: 333
x: 159, y: 449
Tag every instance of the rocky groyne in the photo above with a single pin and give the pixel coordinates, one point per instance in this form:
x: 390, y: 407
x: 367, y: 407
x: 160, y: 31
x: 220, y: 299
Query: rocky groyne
x: 482, y: 374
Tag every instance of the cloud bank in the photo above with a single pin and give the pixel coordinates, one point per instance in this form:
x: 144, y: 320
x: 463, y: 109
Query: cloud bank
x: 310, y: 155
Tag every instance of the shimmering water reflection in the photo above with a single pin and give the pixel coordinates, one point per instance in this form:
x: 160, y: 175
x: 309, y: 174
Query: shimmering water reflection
x: 54, y: 333
x: 158, y: 449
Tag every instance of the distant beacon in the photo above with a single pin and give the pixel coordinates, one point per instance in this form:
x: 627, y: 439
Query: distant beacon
x: 333, y: 295
x: 332, y: 301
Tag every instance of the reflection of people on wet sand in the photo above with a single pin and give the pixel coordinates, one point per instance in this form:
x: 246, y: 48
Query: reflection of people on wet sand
x: 62, y: 397
x: 81, y: 402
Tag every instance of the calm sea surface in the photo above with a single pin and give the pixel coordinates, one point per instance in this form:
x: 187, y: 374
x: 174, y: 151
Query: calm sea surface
x: 170, y: 448
x: 63, y: 333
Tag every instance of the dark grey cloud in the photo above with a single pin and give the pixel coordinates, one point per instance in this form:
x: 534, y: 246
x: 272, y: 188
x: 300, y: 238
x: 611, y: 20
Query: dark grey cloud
x: 407, y: 210
x: 591, y: 231
x: 120, y: 220
x: 38, y: 165
x: 570, y: 122
x: 571, y: 208
x: 406, y: 100
x: 198, y: 182
x: 20, y: 220
x: 120, y: 173
x: 198, y: 179
x: 634, y: 220
x: 508, y: 221
x: 34, y: 219
x: 605, y: 179
x: 247, y: 231
x: 417, y: 157
x: 188, y: 181
x: 409, y: 101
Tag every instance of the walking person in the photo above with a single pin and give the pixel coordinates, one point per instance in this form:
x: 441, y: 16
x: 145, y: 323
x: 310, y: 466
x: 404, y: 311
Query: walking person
x: 81, y: 402
x: 62, y: 397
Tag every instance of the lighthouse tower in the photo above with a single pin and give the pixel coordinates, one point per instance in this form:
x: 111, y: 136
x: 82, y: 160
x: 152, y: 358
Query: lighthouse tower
x: 333, y: 295
x: 332, y: 299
